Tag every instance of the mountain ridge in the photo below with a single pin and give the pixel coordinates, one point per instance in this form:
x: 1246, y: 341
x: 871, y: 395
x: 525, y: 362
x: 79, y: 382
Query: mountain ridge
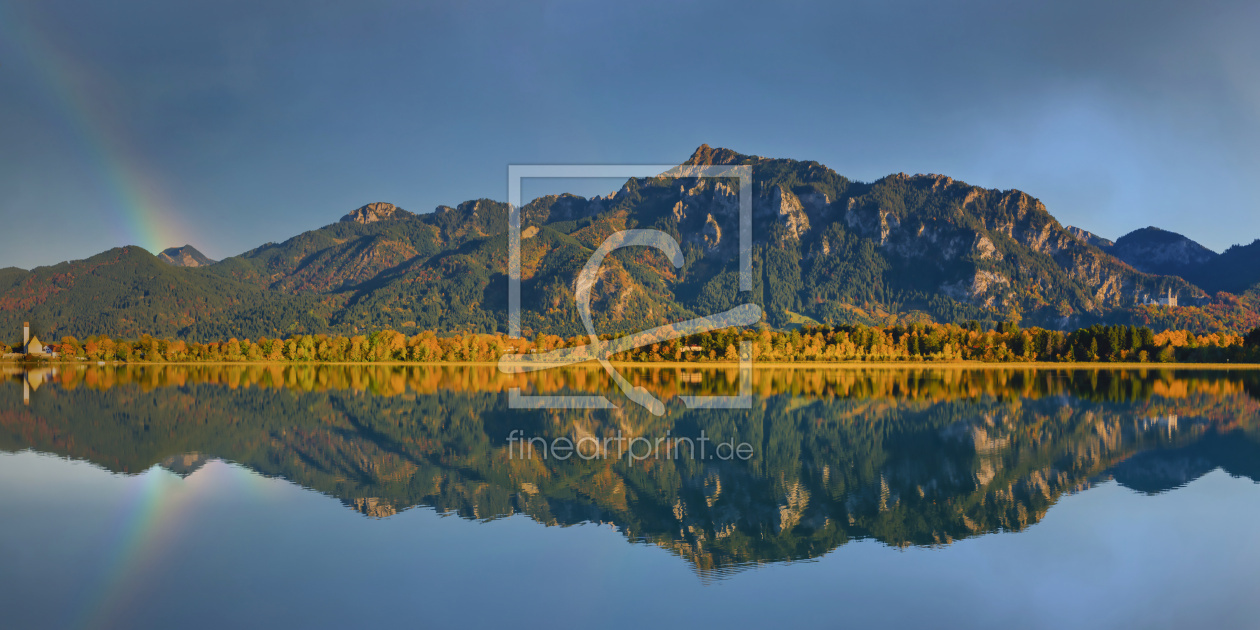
x: 826, y: 248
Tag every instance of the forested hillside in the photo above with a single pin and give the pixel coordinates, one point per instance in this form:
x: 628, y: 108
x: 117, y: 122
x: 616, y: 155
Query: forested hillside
x: 131, y: 292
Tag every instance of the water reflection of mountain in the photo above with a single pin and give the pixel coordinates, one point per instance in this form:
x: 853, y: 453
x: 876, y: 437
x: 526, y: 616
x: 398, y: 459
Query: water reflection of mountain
x: 908, y: 457
x: 1156, y: 471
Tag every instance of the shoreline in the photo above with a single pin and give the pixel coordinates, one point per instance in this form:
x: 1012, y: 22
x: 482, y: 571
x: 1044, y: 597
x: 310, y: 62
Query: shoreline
x: 756, y: 365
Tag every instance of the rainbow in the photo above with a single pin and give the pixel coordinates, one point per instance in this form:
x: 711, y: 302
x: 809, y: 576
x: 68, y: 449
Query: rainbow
x: 148, y: 524
x: 142, y: 526
x: 140, y: 214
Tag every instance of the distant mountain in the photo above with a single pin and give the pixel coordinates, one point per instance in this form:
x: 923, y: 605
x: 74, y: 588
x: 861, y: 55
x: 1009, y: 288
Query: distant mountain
x: 1234, y: 271
x: 1089, y: 238
x: 825, y: 249
x: 1157, y: 251
x: 186, y: 256
x: 1153, y: 250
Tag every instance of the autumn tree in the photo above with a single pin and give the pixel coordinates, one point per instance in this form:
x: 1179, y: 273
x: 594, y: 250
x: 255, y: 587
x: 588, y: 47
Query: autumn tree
x: 70, y: 347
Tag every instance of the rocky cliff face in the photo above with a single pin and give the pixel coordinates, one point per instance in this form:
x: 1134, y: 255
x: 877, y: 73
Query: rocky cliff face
x: 1001, y: 251
x: 784, y: 207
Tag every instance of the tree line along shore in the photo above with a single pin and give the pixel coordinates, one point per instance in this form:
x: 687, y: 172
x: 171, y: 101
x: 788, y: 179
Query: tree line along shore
x: 1006, y: 343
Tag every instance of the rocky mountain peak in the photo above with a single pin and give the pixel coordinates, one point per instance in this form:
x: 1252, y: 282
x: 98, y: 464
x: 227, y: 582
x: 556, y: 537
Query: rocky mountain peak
x: 374, y: 212
x: 706, y: 155
x: 186, y: 256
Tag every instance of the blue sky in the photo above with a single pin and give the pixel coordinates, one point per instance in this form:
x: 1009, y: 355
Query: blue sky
x: 229, y: 124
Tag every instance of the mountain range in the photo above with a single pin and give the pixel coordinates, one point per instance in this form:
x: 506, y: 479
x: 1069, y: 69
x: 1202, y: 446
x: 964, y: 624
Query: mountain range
x: 826, y: 249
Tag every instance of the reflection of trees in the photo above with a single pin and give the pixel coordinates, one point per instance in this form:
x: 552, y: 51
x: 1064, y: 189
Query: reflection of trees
x: 916, y: 383
x: 909, y: 457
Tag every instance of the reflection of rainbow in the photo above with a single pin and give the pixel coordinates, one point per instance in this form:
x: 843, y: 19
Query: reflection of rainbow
x: 140, y: 214
x: 156, y: 510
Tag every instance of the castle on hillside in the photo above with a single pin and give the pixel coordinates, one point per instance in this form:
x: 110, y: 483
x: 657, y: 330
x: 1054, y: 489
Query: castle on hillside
x: 1170, y: 300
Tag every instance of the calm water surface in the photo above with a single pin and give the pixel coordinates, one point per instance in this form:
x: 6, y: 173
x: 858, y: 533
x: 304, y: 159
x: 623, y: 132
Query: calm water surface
x: 335, y: 496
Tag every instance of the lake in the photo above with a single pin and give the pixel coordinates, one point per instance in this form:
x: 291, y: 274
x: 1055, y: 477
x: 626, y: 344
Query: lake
x: 150, y: 496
